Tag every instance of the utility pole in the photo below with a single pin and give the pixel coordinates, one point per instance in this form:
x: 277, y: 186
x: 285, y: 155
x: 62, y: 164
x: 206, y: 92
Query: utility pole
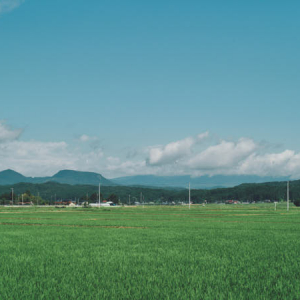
x: 12, y: 196
x: 288, y: 196
x: 189, y: 195
x: 22, y: 199
x: 129, y: 199
x: 99, y: 196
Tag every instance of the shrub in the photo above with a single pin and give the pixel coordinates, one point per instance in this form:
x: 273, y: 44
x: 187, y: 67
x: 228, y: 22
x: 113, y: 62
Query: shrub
x: 86, y: 205
x: 297, y: 202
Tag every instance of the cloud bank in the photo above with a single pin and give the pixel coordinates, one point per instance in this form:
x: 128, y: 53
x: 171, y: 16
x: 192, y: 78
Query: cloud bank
x: 223, y: 155
x: 194, y: 156
x: 35, y: 158
x: 173, y: 151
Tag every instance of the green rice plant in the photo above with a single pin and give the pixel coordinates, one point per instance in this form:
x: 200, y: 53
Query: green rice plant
x: 211, y: 252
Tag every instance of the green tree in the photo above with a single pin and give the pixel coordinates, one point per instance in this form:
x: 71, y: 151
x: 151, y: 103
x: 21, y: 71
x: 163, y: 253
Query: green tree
x: 113, y: 198
x: 297, y: 202
x: 94, y: 197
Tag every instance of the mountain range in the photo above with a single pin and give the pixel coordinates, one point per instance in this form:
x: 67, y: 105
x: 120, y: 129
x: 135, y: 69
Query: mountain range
x: 79, y: 177
x: 202, y: 182
x: 64, y: 176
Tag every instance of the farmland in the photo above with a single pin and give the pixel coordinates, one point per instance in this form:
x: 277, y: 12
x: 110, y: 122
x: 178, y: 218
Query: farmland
x: 211, y: 252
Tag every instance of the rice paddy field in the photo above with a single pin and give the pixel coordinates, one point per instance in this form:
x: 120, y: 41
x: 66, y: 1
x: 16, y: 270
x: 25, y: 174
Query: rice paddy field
x: 211, y: 252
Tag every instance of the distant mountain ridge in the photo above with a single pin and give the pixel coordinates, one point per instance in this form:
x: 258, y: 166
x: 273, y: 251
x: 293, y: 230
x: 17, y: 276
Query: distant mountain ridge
x: 64, y: 176
x: 202, y: 182
x: 11, y: 177
x: 78, y: 177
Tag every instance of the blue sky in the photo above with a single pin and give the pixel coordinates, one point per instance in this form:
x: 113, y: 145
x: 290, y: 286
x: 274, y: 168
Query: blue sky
x: 98, y: 85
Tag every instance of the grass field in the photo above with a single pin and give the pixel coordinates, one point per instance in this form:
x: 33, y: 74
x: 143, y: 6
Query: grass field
x: 212, y: 252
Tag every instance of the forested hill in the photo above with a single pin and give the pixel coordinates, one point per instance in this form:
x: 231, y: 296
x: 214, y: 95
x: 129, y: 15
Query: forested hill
x: 274, y: 191
x: 65, y: 176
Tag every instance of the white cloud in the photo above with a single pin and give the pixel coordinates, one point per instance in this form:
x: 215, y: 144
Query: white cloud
x: 281, y: 164
x: 223, y: 155
x: 173, y: 151
x: 184, y: 157
x: 128, y: 167
x: 113, y: 160
x: 35, y: 158
x: 202, y: 136
x: 86, y: 138
x: 9, y: 5
x: 243, y: 157
x: 7, y: 134
x: 170, y: 152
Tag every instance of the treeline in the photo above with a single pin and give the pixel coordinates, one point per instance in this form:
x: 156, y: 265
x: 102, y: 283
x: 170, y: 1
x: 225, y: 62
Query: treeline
x: 55, y: 192
x: 52, y: 191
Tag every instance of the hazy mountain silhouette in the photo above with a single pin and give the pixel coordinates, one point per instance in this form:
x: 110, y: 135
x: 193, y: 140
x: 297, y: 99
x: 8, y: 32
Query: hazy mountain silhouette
x: 196, y: 182
x: 64, y: 176
x: 79, y: 177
